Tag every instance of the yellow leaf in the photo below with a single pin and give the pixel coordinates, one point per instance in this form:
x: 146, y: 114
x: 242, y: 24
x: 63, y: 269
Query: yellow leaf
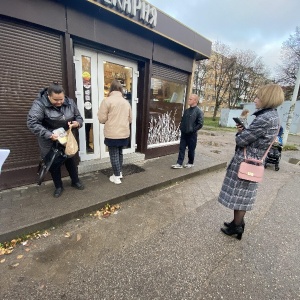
x: 68, y: 234
x: 78, y: 237
x: 20, y: 256
x: 46, y: 233
x: 13, y: 242
x: 2, y: 261
x: 15, y: 265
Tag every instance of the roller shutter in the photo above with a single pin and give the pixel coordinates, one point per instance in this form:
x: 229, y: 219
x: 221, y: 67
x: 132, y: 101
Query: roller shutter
x: 164, y: 72
x: 30, y: 59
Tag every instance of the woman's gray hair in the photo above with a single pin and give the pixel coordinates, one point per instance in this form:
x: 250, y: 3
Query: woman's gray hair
x: 116, y: 86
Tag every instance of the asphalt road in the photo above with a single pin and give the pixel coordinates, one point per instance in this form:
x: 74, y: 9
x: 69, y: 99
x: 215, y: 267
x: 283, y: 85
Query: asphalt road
x: 167, y: 244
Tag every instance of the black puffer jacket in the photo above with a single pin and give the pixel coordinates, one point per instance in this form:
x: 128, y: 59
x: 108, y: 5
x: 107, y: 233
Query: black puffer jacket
x: 43, y: 118
x: 192, y: 120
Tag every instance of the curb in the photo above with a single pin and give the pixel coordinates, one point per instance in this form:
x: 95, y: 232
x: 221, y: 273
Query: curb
x: 59, y: 220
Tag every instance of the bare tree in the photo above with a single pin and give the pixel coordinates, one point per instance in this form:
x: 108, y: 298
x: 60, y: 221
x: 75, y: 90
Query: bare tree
x: 229, y: 77
x: 290, y: 61
x: 199, y: 77
x: 249, y: 73
x: 222, y: 64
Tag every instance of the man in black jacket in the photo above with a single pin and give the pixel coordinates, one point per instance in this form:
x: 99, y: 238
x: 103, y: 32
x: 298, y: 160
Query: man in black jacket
x: 191, y: 122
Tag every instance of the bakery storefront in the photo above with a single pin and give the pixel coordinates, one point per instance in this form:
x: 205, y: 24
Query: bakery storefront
x: 84, y: 44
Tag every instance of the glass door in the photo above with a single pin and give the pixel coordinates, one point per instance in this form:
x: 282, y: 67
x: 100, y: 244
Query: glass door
x: 88, y: 103
x: 94, y: 74
x: 126, y: 73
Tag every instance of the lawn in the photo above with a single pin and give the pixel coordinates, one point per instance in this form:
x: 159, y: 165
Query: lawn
x: 210, y: 124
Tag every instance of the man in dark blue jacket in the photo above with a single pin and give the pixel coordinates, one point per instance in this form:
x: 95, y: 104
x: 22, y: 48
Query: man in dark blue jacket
x: 191, y: 122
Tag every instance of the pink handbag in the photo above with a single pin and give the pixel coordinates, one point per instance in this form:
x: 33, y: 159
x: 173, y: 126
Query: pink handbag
x: 253, y: 169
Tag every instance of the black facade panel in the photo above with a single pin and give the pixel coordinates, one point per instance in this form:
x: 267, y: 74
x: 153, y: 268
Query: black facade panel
x: 169, y: 55
x: 45, y: 13
x: 119, y: 33
x: 30, y: 59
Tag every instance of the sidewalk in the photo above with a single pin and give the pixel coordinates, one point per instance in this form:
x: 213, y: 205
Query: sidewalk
x: 31, y: 208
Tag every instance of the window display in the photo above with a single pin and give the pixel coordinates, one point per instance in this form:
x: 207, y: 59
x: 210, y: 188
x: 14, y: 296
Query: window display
x: 166, y: 109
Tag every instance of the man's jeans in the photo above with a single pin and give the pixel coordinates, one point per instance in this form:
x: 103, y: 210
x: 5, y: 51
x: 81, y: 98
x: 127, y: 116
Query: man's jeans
x: 190, y: 141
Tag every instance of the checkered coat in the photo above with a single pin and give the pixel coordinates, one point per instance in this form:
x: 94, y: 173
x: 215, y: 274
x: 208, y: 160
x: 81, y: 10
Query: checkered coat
x: 238, y: 194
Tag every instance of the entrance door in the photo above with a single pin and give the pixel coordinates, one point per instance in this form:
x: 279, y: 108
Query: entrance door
x: 94, y: 73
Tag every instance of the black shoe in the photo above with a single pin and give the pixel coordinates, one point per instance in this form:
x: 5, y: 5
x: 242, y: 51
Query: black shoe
x: 227, y: 224
x: 238, y: 230
x: 58, y: 192
x: 78, y: 185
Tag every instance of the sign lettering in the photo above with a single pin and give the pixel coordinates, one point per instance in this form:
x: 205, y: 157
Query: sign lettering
x: 134, y: 8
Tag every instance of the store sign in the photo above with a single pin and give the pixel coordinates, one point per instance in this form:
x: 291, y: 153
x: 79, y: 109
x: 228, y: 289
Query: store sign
x: 134, y: 8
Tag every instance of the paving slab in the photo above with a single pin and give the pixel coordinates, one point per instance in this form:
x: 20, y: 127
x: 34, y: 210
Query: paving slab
x: 31, y: 208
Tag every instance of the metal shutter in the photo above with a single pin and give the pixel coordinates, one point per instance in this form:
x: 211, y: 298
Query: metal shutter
x: 163, y: 72
x: 30, y: 59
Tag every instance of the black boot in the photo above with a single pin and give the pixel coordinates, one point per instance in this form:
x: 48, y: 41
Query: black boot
x: 227, y: 224
x: 233, y: 229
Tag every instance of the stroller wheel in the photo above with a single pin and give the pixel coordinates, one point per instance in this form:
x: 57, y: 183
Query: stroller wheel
x: 276, y: 168
x: 265, y: 166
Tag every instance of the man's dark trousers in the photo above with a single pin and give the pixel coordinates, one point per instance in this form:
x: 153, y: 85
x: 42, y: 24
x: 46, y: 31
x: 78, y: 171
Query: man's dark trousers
x: 189, y: 140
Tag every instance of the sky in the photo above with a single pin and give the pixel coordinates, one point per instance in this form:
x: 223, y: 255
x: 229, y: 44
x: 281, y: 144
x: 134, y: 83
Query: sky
x: 258, y: 25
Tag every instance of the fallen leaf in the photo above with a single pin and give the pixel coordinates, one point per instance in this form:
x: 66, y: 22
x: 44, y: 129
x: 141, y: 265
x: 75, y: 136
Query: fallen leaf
x: 46, y: 233
x: 106, y: 214
x: 68, y: 234
x: 27, y: 249
x: 2, y: 261
x: 20, y: 256
x: 8, y: 251
x: 25, y: 243
x: 15, y: 265
x: 13, y: 242
x: 78, y: 237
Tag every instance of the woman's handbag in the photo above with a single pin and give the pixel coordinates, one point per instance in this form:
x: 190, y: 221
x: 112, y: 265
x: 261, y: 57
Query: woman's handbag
x: 71, y: 146
x: 253, y: 169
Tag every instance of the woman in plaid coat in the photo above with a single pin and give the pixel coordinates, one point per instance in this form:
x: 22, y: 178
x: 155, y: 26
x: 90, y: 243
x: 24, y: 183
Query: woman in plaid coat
x: 238, y: 194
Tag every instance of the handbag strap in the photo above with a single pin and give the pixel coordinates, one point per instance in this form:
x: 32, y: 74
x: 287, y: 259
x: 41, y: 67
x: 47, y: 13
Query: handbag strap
x: 245, y: 153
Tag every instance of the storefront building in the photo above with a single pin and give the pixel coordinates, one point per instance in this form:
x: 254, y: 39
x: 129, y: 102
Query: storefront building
x: 84, y: 44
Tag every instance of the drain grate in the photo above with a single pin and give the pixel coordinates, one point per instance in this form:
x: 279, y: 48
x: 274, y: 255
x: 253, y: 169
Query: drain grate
x: 127, y: 170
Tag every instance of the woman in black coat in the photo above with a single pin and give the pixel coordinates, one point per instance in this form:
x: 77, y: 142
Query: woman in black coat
x: 50, y: 111
x: 238, y: 194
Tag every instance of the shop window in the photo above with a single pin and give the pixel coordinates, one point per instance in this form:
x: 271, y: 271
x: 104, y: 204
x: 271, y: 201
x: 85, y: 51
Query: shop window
x: 166, y: 109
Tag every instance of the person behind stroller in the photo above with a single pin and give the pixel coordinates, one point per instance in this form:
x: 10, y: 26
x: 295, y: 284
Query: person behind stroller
x: 279, y: 136
x: 274, y: 155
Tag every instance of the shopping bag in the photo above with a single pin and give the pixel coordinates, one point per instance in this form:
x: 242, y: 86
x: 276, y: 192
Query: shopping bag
x: 71, y: 145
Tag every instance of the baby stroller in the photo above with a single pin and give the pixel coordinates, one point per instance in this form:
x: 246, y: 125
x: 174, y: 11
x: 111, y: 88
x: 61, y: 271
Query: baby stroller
x: 274, y: 155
